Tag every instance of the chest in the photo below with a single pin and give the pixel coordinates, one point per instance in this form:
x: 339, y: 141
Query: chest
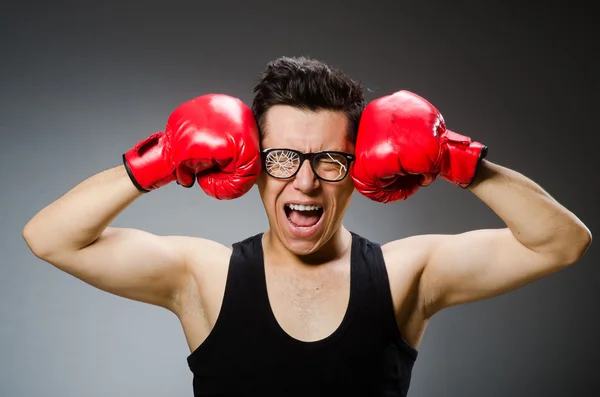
x: 309, y: 304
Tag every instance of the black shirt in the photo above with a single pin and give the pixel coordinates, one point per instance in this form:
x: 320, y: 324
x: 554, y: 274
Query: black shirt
x: 247, y: 353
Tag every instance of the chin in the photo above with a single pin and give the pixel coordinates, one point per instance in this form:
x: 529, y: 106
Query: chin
x: 303, y: 240
x: 302, y: 248
x: 299, y: 245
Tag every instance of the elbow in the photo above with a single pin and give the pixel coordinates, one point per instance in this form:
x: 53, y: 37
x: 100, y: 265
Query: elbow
x: 586, y: 241
x: 579, y: 243
x: 28, y: 237
x: 35, y: 242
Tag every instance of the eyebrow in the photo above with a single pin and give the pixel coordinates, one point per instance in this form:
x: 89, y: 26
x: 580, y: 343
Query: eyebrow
x: 314, y: 151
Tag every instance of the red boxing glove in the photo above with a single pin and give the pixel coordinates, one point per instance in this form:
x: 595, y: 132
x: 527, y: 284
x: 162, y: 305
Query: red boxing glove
x: 213, y: 138
x: 403, y: 144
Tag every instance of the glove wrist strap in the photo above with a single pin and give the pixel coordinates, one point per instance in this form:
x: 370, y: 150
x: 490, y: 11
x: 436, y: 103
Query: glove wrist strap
x: 461, y: 158
x: 146, y: 164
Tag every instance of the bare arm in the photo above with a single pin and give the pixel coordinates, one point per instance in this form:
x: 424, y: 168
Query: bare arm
x: 72, y: 234
x: 541, y: 237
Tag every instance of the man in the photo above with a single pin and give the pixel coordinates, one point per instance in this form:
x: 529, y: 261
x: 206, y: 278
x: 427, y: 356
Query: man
x: 308, y: 307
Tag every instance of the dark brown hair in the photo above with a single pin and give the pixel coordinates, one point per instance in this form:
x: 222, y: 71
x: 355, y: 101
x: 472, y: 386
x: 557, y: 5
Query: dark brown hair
x: 309, y: 84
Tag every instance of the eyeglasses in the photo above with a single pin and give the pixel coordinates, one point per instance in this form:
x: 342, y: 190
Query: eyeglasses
x: 328, y: 166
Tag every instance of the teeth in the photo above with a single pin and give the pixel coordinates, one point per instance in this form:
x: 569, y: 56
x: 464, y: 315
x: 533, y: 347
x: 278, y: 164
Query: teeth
x: 300, y: 207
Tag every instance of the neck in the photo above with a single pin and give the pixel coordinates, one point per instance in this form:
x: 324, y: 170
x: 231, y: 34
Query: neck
x: 335, y: 248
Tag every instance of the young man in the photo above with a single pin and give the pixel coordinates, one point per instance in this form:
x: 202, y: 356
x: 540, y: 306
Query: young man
x: 306, y: 308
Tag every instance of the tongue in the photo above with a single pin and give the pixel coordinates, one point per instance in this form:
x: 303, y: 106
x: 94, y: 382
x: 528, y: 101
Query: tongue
x: 304, y: 218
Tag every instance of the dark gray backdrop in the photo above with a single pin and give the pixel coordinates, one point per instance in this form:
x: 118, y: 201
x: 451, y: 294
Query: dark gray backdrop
x: 82, y: 83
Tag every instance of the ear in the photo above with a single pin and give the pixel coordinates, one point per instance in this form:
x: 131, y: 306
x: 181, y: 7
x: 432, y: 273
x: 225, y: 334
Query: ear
x: 260, y: 175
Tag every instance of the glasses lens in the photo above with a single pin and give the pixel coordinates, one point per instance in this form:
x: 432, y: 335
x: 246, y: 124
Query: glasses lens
x: 282, y: 163
x: 331, y: 166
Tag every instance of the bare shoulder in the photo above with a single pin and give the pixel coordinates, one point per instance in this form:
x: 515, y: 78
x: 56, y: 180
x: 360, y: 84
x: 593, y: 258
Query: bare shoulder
x: 409, y: 252
x: 202, y: 254
x: 207, y: 264
x: 405, y: 261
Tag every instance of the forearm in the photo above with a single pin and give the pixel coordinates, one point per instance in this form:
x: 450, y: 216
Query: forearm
x: 79, y: 217
x: 535, y: 219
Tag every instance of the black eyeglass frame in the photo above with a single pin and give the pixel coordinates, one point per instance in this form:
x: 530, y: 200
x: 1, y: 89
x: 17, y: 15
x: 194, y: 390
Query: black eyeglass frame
x: 311, y: 158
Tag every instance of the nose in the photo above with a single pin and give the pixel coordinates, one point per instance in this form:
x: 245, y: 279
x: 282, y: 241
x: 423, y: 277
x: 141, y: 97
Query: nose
x: 306, y: 180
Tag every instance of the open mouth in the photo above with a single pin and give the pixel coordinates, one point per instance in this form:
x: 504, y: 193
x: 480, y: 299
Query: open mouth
x: 303, y: 216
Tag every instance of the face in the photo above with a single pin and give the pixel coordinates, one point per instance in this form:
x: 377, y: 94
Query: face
x: 305, y: 230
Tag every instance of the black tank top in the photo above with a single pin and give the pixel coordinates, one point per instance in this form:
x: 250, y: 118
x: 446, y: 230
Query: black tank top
x: 247, y: 353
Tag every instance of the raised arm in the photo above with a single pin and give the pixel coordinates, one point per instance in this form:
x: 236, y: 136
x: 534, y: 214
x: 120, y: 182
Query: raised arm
x: 212, y: 139
x: 403, y: 144
x: 541, y: 238
x: 72, y: 234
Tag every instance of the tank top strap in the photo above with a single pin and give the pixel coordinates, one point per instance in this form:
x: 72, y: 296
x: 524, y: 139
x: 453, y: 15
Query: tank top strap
x: 245, y: 292
x: 374, y: 288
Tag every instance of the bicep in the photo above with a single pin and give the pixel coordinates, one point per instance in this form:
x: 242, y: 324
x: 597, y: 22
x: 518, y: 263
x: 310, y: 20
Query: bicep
x: 476, y: 265
x: 133, y: 264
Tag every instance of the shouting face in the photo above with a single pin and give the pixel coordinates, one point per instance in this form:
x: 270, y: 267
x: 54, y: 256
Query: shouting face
x: 305, y: 184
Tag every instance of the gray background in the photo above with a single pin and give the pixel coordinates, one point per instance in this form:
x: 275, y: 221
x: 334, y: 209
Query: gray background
x: 80, y: 84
